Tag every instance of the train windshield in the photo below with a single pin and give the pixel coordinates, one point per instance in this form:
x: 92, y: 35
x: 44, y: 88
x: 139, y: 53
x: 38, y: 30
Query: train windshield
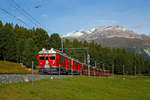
x: 52, y: 57
x: 46, y: 57
x: 41, y: 57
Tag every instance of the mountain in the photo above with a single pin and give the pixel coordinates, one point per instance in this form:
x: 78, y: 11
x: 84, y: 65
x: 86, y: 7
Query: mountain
x: 114, y: 36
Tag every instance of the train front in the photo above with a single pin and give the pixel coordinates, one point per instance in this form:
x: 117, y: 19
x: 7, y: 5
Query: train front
x: 47, y: 62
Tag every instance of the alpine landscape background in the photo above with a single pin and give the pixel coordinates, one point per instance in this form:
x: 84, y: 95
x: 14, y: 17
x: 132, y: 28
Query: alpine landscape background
x: 115, y: 37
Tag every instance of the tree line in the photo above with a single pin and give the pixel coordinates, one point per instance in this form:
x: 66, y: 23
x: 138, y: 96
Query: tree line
x: 113, y: 59
x: 19, y: 44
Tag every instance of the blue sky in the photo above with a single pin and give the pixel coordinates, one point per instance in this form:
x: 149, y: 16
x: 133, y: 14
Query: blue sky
x: 63, y: 16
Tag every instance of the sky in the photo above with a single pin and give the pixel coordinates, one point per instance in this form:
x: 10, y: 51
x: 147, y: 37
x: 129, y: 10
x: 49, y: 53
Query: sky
x: 63, y: 16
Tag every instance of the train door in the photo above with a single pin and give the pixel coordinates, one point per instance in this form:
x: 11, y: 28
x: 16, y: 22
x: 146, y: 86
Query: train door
x: 46, y: 64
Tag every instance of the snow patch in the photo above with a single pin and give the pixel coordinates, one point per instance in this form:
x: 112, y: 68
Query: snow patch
x: 74, y: 34
x: 107, y: 28
x: 147, y: 51
x: 148, y: 35
x: 91, y: 31
x: 118, y: 28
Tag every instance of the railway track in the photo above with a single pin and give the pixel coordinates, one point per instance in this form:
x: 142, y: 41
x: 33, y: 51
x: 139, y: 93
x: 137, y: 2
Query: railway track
x: 8, y: 78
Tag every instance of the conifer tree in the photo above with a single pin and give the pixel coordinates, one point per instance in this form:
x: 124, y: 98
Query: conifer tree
x: 7, y: 44
x: 19, y: 49
x: 54, y: 41
x: 1, y: 24
x: 40, y: 36
x: 30, y: 52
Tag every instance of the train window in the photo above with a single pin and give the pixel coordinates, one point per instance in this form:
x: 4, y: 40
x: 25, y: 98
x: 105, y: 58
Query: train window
x: 59, y: 58
x: 46, y: 57
x: 41, y: 57
x: 52, y: 57
x: 62, y: 59
x: 68, y: 62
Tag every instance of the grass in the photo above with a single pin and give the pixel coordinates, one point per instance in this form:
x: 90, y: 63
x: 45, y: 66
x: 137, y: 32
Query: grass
x: 78, y: 88
x: 12, y: 68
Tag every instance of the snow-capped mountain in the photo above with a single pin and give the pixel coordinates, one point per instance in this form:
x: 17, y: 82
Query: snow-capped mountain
x: 113, y: 36
x: 106, y: 32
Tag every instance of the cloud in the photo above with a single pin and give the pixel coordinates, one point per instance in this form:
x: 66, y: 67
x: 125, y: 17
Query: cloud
x: 138, y: 25
x: 44, y: 15
x: 101, y: 22
x: 107, y: 22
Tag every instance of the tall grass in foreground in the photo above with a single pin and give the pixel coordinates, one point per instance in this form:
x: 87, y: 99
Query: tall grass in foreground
x: 78, y: 88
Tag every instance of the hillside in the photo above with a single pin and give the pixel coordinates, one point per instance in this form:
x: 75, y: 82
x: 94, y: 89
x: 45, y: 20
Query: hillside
x: 12, y: 68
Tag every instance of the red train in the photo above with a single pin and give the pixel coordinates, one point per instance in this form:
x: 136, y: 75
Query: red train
x: 55, y: 62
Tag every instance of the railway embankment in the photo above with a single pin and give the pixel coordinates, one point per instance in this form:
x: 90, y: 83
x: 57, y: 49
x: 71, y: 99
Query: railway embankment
x: 8, y: 78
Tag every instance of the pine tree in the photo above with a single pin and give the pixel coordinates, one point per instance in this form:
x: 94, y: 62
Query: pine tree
x: 40, y: 36
x: 7, y: 44
x: 1, y: 24
x: 30, y: 52
x: 54, y: 41
x: 11, y: 47
x: 20, y: 49
x: 9, y: 26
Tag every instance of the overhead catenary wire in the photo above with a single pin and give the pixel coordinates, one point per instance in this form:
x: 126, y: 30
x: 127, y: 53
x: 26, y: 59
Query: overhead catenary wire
x: 14, y: 17
x: 36, y: 22
x: 23, y: 13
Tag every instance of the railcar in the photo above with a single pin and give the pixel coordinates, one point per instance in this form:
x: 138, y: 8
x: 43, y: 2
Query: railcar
x: 85, y: 69
x: 92, y: 71
x: 55, y: 62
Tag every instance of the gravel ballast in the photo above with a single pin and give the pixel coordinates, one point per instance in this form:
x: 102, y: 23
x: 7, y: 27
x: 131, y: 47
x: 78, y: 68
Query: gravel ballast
x: 8, y: 78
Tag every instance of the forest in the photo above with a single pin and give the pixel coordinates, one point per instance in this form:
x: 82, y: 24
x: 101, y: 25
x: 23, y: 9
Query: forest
x: 19, y: 44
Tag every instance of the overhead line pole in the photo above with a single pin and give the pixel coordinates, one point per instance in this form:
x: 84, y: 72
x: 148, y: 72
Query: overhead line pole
x: 113, y: 69
x: 88, y: 60
x: 123, y: 69
x: 32, y: 70
x: 88, y: 56
x: 95, y: 68
x: 62, y: 45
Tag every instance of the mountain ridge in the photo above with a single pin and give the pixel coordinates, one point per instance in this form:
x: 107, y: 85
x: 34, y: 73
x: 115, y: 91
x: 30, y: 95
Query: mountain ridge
x: 101, y: 29
x: 113, y: 36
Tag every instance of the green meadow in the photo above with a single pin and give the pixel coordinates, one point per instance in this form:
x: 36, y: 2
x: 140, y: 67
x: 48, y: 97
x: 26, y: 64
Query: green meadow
x: 12, y: 68
x: 78, y: 88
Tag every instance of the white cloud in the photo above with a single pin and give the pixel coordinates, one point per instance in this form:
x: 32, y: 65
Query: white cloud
x: 44, y: 15
x: 138, y: 25
x: 107, y: 22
